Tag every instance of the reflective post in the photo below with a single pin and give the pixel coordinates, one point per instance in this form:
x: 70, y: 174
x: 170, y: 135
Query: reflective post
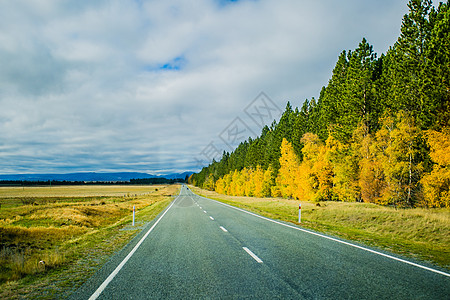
x: 299, y: 212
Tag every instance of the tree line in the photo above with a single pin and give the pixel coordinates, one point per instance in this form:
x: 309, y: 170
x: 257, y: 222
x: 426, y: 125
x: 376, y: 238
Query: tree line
x: 379, y: 131
x: 155, y: 180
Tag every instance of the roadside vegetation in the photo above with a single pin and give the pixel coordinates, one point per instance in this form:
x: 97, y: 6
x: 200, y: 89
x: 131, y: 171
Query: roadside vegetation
x: 418, y: 233
x: 53, y: 238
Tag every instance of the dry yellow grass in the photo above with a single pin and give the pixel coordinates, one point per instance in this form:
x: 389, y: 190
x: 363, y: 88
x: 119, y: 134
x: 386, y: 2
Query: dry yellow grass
x: 76, y: 191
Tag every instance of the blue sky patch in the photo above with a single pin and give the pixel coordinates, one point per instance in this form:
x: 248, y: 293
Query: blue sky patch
x: 175, y: 64
x: 227, y: 2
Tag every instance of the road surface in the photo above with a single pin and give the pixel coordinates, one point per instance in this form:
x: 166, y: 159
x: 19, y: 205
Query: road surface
x: 200, y: 248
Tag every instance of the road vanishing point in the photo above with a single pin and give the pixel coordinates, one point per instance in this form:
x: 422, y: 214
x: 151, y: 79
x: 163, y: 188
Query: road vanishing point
x: 200, y: 248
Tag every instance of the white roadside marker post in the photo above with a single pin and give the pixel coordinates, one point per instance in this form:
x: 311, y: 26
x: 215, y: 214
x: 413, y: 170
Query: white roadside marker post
x: 134, y: 212
x: 299, y: 212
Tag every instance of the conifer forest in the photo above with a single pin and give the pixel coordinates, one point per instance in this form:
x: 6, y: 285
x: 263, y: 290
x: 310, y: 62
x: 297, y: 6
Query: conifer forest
x: 379, y: 131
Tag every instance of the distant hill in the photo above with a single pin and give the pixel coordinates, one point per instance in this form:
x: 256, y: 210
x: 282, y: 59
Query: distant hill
x: 90, y: 176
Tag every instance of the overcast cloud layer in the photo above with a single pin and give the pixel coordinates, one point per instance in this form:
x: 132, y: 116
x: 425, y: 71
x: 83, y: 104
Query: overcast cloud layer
x: 149, y: 85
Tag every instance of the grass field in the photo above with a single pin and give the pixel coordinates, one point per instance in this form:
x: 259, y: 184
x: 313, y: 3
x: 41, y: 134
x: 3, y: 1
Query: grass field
x: 75, y: 191
x: 54, y: 238
x: 419, y: 233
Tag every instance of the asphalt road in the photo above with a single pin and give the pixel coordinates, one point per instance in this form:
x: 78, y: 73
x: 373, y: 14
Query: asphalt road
x: 199, y: 248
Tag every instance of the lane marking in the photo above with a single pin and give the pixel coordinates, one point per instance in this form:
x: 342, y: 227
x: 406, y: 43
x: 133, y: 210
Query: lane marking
x: 223, y: 228
x: 252, y: 255
x: 124, y: 261
x: 211, y: 218
x: 336, y: 240
x: 204, y: 211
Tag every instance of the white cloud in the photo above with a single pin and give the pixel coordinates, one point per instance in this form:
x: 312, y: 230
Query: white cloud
x: 83, y: 84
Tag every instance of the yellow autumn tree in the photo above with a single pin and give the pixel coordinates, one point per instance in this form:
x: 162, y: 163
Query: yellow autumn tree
x: 286, y: 180
x: 268, y: 182
x: 323, y: 172
x: 233, y: 190
x: 397, y: 152
x: 344, y: 163
x: 247, y: 183
x: 307, y: 181
x: 436, y: 184
x: 383, y: 141
x: 371, y: 179
x: 220, y: 186
x: 191, y: 180
x: 304, y: 189
x: 240, y: 183
x: 209, y: 183
x: 227, y: 183
x: 316, y: 172
x: 257, y: 178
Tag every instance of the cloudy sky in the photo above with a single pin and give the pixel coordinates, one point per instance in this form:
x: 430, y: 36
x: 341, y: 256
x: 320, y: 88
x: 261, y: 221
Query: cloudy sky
x: 163, y: 86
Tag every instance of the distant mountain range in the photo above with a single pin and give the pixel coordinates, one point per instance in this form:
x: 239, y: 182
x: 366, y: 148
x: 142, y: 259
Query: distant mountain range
x: 91, y: 176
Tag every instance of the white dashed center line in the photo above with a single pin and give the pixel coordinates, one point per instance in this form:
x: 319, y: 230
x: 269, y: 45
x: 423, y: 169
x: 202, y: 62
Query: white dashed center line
x: 223, y: 228
x: 211, y: 218
x: 252, y: 255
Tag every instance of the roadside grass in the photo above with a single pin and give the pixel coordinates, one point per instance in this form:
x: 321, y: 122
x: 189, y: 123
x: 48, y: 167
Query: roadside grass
x: 418, y: 233
x: 52, y: 244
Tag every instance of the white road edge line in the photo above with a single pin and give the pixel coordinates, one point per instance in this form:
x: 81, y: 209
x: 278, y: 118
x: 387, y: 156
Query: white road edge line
x: 252, y: 255
x: 211, y: 218
x: 223, y: 228
x: 124, y: 261
x: 336, y: 240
